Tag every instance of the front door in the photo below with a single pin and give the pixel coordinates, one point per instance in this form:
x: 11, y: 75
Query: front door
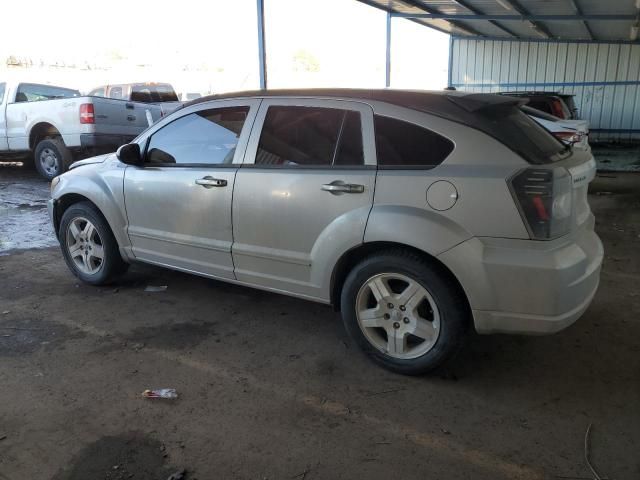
x: 179, y: 203
x: 304, y: 193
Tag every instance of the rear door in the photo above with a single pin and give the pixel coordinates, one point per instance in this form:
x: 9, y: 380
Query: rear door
x: 179, y: 204
x: 303, y: 194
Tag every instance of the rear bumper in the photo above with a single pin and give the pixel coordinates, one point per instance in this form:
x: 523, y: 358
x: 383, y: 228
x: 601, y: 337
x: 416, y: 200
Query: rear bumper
x: 104, y: 141
x: 528, y: 287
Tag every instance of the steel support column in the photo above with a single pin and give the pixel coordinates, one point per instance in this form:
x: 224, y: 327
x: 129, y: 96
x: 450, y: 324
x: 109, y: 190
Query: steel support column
x: 262, y: 55
x: 387, y: 71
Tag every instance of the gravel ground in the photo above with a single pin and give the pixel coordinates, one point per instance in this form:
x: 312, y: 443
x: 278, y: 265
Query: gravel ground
x: 271, y: 388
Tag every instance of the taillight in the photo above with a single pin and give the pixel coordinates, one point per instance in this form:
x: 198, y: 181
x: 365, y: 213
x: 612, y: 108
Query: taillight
x: 569, y: 137
x: 556, y: 109
x: 86, y: 113
x: 545, y: 200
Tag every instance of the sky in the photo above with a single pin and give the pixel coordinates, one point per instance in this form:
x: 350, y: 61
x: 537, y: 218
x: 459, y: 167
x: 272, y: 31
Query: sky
x: 211, y: 45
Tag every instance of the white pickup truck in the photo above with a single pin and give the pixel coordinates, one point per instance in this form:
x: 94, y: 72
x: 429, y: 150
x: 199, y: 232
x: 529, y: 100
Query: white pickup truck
x: 55, y: 124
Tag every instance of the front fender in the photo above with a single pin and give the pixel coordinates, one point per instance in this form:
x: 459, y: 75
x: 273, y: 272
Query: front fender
x: 102, y: 184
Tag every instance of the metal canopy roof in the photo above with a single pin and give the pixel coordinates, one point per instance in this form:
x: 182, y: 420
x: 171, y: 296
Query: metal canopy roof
x: 582, y: 20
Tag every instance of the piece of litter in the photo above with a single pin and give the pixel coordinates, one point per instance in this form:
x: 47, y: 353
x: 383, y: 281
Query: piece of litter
x: 160, y: 393
x: 596, y: 476
x: 155, y: 288
x: 604, y: 193
x: 6, y: 311
x: 178, y: 475
x: 2, y: 437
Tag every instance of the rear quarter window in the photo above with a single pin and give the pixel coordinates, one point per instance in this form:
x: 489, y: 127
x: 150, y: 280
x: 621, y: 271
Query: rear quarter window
x: 401, y: 144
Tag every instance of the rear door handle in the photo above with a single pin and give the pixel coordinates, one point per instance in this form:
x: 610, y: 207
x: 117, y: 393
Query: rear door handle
x: 209, y: 182
x: 130, y: 106
x: 131, y: 118
x: 337, y: 187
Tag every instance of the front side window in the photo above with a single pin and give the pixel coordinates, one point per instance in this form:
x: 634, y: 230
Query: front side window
x: 310, y: 137
x: 404, y: 144
x: 34, y: 93
x: 208, y: 137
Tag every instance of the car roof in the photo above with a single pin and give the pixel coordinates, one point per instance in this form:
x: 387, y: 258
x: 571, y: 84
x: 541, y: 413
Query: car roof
x: 455, y: 105
x: 534, y: 93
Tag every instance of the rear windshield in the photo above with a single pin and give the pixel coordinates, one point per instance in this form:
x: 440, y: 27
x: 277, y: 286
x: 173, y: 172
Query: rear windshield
x: 153, y: 93
x: 522, y: 134
x: 539, y: 114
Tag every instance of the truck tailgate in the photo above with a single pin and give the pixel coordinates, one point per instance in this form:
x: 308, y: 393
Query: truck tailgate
x: 121, y: 117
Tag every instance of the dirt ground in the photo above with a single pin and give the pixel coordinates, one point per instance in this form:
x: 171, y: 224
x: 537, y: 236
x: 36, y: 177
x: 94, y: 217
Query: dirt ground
x: 271, y: 388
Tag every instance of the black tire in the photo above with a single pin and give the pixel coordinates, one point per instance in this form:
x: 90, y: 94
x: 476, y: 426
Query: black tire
x: 52, y: 158
x: 453, y: 308
x: 112, y: 265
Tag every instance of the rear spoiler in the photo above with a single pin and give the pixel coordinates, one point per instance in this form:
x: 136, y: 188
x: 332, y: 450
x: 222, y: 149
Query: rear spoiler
x: 474, y: 102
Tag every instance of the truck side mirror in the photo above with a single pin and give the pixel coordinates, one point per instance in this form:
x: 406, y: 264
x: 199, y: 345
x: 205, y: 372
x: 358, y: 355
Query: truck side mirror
x: 130, y: 154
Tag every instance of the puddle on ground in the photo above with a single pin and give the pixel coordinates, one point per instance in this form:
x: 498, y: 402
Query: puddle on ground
x: 25, y: 336
x: 122, y: 457
x: 24, y: 220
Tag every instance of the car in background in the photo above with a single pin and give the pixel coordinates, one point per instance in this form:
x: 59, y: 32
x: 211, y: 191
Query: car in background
x: 188, y: 96
x: 161, y: 94
x: 560, y: 105
x: 418, y: 215
x: 573, y: 132
x: 56, y: 124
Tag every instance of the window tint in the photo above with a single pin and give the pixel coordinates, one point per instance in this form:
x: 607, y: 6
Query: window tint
x: 153, y: 93
x: 404, y: 144
x: 310, y: 136
x: 522, y: 134
x: 206, y: 137
x: 28, y: 92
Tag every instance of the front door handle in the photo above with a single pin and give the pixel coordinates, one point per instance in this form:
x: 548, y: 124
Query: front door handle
x: 338, y: 187
x: 210, y: 182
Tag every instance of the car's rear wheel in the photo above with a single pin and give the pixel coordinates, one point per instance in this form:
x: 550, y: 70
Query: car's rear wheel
x: 52, y: 158
x: 405, y: 312
x: 88, y: 245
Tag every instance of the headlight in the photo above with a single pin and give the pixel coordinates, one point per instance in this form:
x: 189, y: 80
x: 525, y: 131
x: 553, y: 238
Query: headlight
x: 55, y: 182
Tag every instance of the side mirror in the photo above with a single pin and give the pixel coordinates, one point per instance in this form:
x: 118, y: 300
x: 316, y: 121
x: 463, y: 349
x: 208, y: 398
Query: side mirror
x: 130, y: 154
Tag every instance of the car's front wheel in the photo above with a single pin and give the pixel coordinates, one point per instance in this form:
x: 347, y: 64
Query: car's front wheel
x: 404, y: 312
x: 88, y: 245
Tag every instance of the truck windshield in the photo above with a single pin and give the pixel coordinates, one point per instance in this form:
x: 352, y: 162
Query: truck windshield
x: 31, y: 92
x: 153, y: 93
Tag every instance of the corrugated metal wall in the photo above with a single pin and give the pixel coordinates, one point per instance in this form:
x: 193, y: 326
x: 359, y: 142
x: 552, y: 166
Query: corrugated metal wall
x: 605, y: 77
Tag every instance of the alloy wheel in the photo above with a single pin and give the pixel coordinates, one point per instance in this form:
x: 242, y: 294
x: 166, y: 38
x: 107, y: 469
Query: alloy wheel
x: 85, y: 246
x: 397, y: 315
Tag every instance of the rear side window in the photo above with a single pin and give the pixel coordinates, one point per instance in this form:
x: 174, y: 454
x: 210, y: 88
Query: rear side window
x: 208, y: 137
x: 115, y: 92
x: 28, y: 92
x: 404, y: 144
x: 310, y: 137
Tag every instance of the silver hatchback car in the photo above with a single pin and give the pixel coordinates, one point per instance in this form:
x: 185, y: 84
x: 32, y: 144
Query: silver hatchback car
x: 418, y: 215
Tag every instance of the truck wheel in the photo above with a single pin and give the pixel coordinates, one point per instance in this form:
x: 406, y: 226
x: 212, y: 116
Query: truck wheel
x: 52, y: 158
x: 404, y: 312
x: 88, y: 245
